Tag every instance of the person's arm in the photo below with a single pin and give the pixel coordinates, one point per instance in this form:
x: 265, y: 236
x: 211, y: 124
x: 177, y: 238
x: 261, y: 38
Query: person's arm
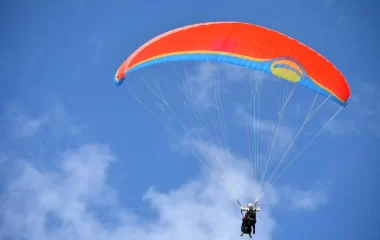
x: 258, y: 209
x: 243, y: 209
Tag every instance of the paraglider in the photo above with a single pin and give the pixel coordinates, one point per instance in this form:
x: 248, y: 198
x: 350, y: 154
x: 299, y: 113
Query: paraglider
x: 248, y: 46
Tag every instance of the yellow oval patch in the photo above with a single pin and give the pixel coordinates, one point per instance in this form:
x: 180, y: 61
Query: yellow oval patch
x: 292, y: 74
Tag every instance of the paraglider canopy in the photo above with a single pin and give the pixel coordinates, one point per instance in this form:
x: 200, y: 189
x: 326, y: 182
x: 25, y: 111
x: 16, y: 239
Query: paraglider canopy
x: 244, y: 45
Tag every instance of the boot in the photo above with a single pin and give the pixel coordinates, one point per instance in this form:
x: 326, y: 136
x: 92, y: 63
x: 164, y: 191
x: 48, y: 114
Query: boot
x: 241, y: 234
x: 250, y: 235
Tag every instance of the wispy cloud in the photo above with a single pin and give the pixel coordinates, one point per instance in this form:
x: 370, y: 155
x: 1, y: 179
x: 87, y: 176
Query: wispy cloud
x: 284, y: 136
x: 17, y: 122
x: 237, y: 73
x: 362, y: 113
x: 209, y: 78
x: 328, y: 3
x: 82, y: 4
x: 6, y: 62
x: 308, y: 200
x: 97, y: 40
x: 202, y: 83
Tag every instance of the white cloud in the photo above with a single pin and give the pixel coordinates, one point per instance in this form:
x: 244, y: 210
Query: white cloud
x: 75, y: 202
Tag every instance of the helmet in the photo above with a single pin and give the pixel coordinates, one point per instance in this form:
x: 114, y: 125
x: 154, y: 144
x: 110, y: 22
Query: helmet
x: 250, y: 206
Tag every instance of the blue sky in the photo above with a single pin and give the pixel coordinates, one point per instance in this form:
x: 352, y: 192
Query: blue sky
x: 81, y: 159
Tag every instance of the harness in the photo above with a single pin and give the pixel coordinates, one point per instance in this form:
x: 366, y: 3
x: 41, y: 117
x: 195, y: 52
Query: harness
x: 250, y: 214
